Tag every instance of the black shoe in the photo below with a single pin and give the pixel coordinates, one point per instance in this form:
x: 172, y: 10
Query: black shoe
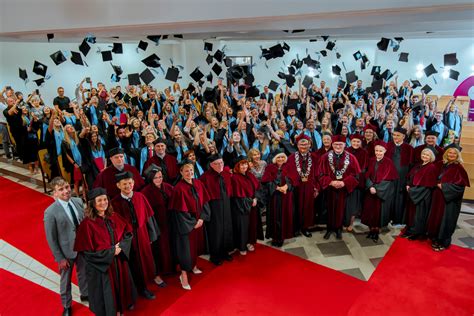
x: 307, y: 233
x: 339, y: 234
x: 413, y: 237
x: 216, y: 262
x: 406, y: 235
x: 131, y: 307
x: 369, y: 235
x: 280, y: 244
x: 228, y: 257
x: 84, y: 298
x: 297, y: 234
x: 274, y: 243
x: 148, y: 295
x: 67, y: 311
x: 375, y: 237
x: 327, y: 235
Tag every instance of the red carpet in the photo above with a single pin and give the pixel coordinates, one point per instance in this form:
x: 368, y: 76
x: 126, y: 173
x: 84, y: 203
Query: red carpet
x: 414, y: 280
x: 23, y: 297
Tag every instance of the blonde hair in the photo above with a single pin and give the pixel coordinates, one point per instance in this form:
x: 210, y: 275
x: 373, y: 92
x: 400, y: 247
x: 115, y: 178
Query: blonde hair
x: 67, y: 137
x: 458, y: 153
x: 431, y: 153
x: 252, y: 152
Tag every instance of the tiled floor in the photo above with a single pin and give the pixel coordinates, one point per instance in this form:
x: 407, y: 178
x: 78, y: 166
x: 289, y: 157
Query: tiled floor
x: 354, y: 255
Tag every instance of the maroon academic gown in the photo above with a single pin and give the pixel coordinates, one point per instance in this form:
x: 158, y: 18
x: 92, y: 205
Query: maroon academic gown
x: 141, y: 257
x: 304, y: 192
x: 169, y: 166
x: 159, y: 200
x: 280, y: 206
x: 94, y: 239
x: 186, y: 208
x: 377, y: 206
x: 106, y: 179
x: 370, y: 147
x: 446, y: 202
x: 336, y: 198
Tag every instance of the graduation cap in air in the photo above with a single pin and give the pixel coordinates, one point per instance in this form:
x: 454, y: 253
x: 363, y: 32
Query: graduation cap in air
x: 39, y: 68
x: 290, y: 80
x: 324, y: 53
x: 106, y: 55
x: 218, y: 55
x: 117, y: 69
x: 307, y: 81
x: 152, y: 61
x: 341, y: 84
x: 429, y: 70
x: 252, y: 92
x: 172, y: 74
x: 209, y: 77
x: 209, y: 59
x: 351, y: 76
x: 297, y: 63
x: 417, y: 107
x: 365, y: 59
x: 377, y: 85
x: 154, y: 38
x: 22, y: 74
x: 336, y: 70
x: 164, y: 37
x: 228, y: 62
x: 208, y: 46
x: 39, y: 81
x: 249, y: 79
x: 210, y: 95
x: 58, y: 57
x: 325, y: 37
x: 313, y: 40
x: 357, y: 55
x: 308, y: 61
x: 387, y: 74
x: 291, y: 70
x: 281, y: 75
x: 76, y: 58
x: 84, y: 48
x: 217, y: 69
x: 453, y: 74
x: 178, y: 36
x: 277, y: 51
x: 286, y: 47
x: 398, y: 39
x: 273, y: 85
x: 196, y: 74
x: 375, y: 70
x: 403, y: 57
x: 338, y: 56
x: 241, y: 89
x: 147, y: 76
x: 90, y: 38
x: 143, y: 45
x: 450, y: 59
x: 415, y: 84
x: 266, y: 54
x: 426, y: 89
x: 117, y: 48
x: 49, y: 36
x: 330, y: 45
x: 134, y: 79
x: 383, y: 44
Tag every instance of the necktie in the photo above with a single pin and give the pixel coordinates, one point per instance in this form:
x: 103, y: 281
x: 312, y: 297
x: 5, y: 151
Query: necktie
x: 150, y: 152
x: 73, y: 214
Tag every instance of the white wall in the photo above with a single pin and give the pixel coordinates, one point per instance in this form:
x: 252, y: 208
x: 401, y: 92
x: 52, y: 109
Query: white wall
x: 190, y: 54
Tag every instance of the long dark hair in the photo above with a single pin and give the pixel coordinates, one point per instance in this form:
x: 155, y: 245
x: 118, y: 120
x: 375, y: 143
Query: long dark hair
x: 92, y: 213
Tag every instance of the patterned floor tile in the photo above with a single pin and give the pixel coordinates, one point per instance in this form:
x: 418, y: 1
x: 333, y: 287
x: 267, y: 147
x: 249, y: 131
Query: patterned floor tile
x: 376, y: 261
x: 335, y: 248
x: 299, y: 251
x: 468, y: 241
x: 356, y: 273
x: 366, y: 242
x: 470, y: 221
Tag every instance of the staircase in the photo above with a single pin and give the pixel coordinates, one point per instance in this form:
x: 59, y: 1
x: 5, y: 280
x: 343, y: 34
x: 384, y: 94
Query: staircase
x: 467, y: 144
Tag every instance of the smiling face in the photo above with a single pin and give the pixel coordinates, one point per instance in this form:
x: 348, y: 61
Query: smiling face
x: 379, y: 152
x: 338, y: 147
x: 118, y: 161
x: 126, y: 186
x: 303, y: 146
x: 398, y: 137
x: 217, y: 165
x: 62, y: 191
x: 280, y: 160
x: 452, y: 155
x: 243, y: 167
x: 158, y: 179
x: 431, y: 140
x: 160, y: 149
x: 101, y: 203
x: 356, y: 143
x: 187, y: 172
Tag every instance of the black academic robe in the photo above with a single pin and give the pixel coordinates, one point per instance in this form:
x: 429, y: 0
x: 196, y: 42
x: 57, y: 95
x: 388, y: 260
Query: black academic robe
x: 280, y: 206
x: 106, y: 180
x: 138, y: 215
x: 169, y: 166
x: 421, y: 180
x: 402, y: 157
x: 110, y: 284
x: 159, y: 201
x: 446, y: 203
x: 380, y: 175
x: 219, y: 227
x: 355, y: 199
x: 188, y: 204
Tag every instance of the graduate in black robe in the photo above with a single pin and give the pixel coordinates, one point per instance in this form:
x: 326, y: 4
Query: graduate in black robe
x: 189, y: 209
x: 104, y: 240
x: 167, y: 162
x: 378, y: 199
x: 217, y: 180
x: 422, y: 178
x: 447, y: 199
x: 137, y: 212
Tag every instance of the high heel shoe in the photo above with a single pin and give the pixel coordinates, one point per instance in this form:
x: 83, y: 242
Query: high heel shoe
x: 186, y: 287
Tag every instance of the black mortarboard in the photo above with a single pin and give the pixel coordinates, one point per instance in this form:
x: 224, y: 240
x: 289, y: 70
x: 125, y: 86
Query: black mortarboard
x: 39, y: 81
x: 426, y: 89
x: 106, y: 55
x: 118, y: 70
x: 351, y: 76
x: 308, y: 61
x: 450, y: 59
x: 365, y: 59
x: 249, y: 79
x: 123, y: 176
x: 228, y: 62
x: 22, y: 73
x: 273, y: 85
x: 377, y: 85
x: 159, y: 140
x: 453, y: 145
x: 291, y: 70
x: 217, y: 69
x: 76, y: 58
x: 209, y: 77
x: 164, y: 37
x: 341, y: 84
x: 147, y: 76
x: 415, y: 84
x: 375, y: 70
x: 383, y: 44
x: 429, y: 70
x: 49, y: 36
x: 297, y: 63
x: 142, y: 45
x: 252, y: 92
x: 266, y: 54
x: 277, y: 51
x: 152, y: 61
x: 403, y: 57
x: 396, y: 48
x: 313, y: 40
x: 134, y: 79
x: 400, y: 130
x: 330, y: 45
x: 337, y: 106
x: 286, y: 47
x: 40, y: 69
x: 357, y: 55
x: 387, y: 74
x: 307, y: 81
x: 178, y: 36
x: 150, y: 172
x: 209, y: 59
x: 116, y: 151
x: 58, y: 57
x: 281, y: 75
x: 235, y: 73
x: 453, y: 74
x: 92, y: 194
x: 398, y: 39
x: 154, y: 38
x: 290, y: 80
x: 418, y: 107
x: 325, y: 37
x: 324, y: 53
x: 84, y: 48
x: 118, y: 48
x: 292, y: 104
x: 336, y: 70
x: 338, y: 55
x: 241, y: 90
x: 213, y: 158
x: 208, y: 46
x: 218, y: 55
x: 196, y: 74
x: 210, y: 95
x: 431, y: 133
x: 172, y: 74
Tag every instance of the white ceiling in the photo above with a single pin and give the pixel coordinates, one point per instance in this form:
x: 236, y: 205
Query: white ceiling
x: 71, y: 20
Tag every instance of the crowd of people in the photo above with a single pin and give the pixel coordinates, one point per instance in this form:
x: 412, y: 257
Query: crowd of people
x: 171, y: 175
